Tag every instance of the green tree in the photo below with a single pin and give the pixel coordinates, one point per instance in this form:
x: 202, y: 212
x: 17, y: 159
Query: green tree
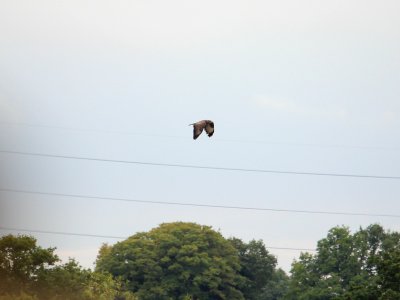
x: 63, y: 281
x: 21, y: 260
x: 28, y: 272
x: 388, y: 268
x: 102, y: 286
x: 175, y: 261
x: 276, y: 288
x: 71, y: 281
x: 363, y: 266
x: 257, y: 267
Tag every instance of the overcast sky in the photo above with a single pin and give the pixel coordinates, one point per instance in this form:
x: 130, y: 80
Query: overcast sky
x: 305, y: 86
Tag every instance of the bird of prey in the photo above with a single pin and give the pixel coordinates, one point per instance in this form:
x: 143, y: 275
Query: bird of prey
x: 200, y: 125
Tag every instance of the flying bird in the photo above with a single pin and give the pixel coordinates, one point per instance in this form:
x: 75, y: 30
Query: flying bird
x: 200, y: 125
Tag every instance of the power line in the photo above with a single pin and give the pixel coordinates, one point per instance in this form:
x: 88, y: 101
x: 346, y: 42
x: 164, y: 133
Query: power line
x: 63, y: 233
x: 197, y: 166
x: 199, y: 204
x: 104, y: 131
x: 94, y: 130
x: 117, y: 237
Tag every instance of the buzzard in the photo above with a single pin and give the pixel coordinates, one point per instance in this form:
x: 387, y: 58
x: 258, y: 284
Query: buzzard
x: 200, y: 125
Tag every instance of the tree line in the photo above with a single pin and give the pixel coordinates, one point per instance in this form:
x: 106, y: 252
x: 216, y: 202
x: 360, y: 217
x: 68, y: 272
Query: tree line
x: 189, y: 261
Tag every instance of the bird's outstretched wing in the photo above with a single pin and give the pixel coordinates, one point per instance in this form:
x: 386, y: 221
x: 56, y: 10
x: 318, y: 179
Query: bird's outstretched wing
x: 210, y: 128
x: 198, y: 129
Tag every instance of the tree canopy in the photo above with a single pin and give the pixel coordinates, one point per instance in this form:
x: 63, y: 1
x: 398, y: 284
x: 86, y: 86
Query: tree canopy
x: 193, y: 262
x: 364, y: 265
x: 258, y: 267
x: 28, y: 272
x: 21, y: 261
x: 176, y: 261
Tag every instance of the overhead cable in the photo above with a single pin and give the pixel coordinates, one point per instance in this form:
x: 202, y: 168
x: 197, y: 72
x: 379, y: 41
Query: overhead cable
x: 197, y: 166
x: 107, y: 131
x: 200, y: 204
x: 115, y: 237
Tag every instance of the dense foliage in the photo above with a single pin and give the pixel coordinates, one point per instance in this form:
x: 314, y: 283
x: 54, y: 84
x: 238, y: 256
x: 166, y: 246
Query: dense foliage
x: 21, y: 261
x: 192, y: 262
x: 262, y: 280
x: 364, y: 265
x: 28, y: 271
x: 176, y: 261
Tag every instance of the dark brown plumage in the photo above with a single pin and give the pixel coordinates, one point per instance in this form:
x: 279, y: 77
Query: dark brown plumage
x: 198, y: 127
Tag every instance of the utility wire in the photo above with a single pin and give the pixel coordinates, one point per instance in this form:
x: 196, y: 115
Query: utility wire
x: 116, y: 237
x: 63, y: 233
x: 199, y: 204
x: 196, y: 166
x: 93, y: 130
x: 104, y: 131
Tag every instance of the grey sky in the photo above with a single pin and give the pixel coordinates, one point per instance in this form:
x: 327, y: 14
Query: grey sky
x: 290, y: 85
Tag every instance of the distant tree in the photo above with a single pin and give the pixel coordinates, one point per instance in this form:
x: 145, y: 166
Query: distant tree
x: 175, y: 261
x: 28, y: 272
x: 361, y: 266
x: 21, y: 260
x: 276, y: 288
x: 63, y: 281
x: 388, y: 268
x: 257, y: 267
x: 102, y: 286
x: 71, y: 281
